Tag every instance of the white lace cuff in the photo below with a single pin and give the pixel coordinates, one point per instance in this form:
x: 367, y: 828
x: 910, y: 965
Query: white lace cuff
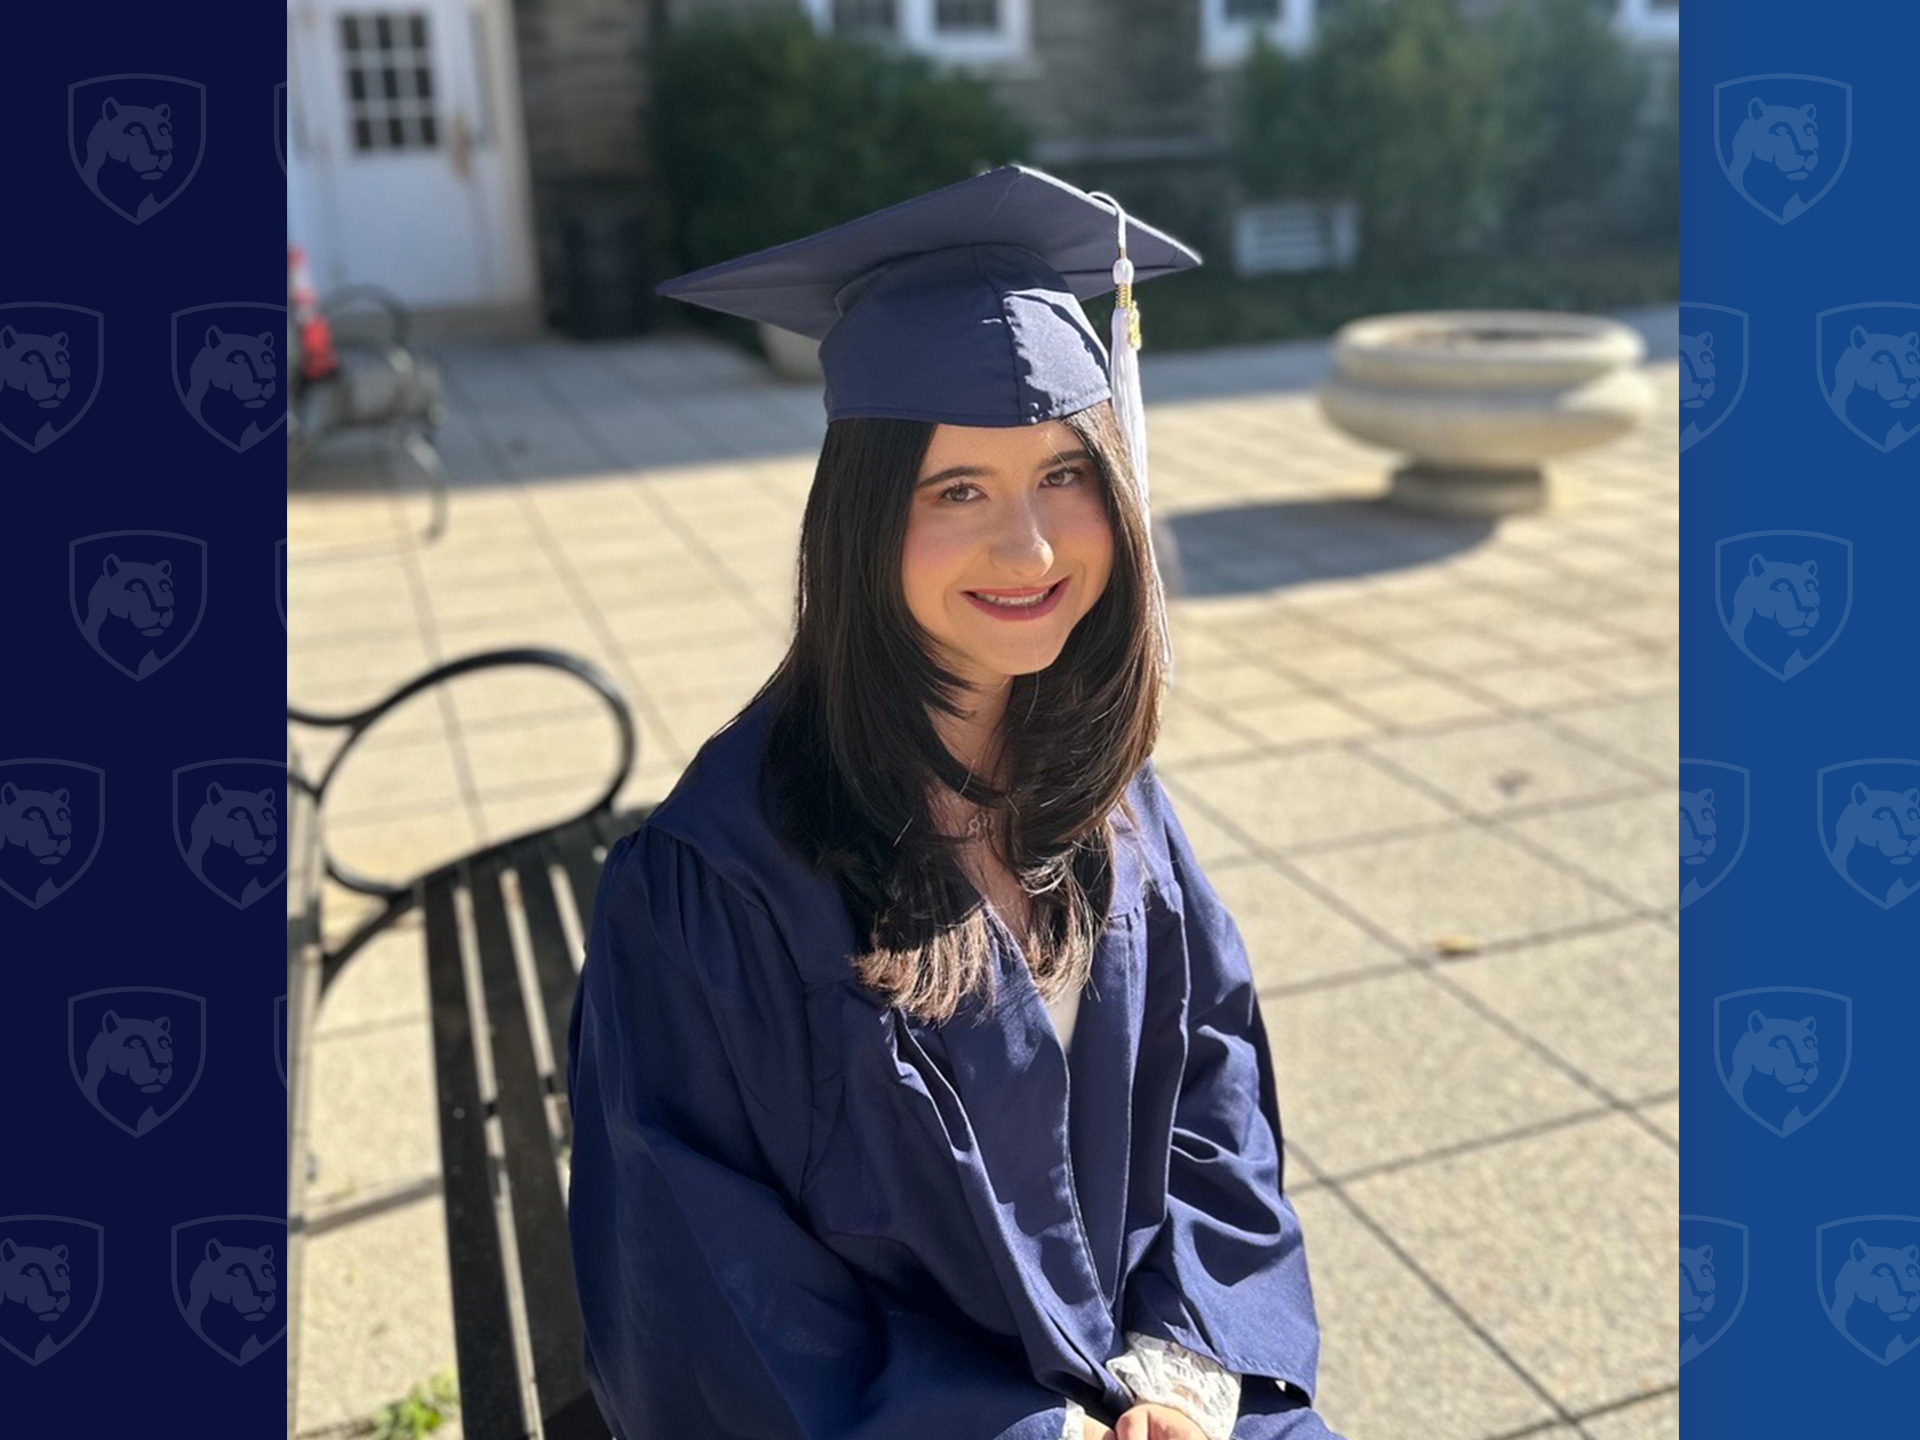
x: 1073, y: 1429
x: 1161, y: 1372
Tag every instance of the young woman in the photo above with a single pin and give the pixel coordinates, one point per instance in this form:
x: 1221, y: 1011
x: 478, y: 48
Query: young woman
x: 919, y: 1084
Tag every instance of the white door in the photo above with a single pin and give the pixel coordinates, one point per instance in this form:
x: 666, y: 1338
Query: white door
x: 405, y: 164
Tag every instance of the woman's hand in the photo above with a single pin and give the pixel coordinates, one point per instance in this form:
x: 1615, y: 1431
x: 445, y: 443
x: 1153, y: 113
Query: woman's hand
x: 1156, y: 1422
x: 1092, y: 1429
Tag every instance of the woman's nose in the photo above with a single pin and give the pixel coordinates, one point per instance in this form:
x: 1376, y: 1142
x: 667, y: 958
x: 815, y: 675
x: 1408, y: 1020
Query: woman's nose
x: 1022, y: 545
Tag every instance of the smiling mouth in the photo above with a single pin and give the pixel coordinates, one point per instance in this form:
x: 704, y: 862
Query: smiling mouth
x: 1030, y: 595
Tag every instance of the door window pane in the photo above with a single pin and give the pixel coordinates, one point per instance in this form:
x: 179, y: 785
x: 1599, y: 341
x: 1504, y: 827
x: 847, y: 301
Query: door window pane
x: 388, y: 62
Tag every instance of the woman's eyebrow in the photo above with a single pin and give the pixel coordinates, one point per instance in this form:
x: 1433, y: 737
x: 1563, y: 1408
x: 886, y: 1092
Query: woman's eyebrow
x: 969, y: 472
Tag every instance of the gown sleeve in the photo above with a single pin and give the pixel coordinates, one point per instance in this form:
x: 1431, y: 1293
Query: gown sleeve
x: 709, y: 1308
x: 1226, y: 1276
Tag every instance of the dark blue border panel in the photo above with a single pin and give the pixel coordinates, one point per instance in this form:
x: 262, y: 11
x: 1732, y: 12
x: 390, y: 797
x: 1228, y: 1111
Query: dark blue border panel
x: 1799, y: 816
x: 142, y: 738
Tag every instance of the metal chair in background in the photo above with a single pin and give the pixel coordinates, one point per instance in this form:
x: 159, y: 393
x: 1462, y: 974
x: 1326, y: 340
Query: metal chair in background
x: 353, y: 369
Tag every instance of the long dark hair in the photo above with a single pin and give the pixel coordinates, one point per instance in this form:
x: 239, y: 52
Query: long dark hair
x: 852, y: 750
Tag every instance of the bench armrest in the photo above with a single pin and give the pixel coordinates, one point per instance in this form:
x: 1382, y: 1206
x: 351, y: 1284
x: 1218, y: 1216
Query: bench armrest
x: 358, y: 722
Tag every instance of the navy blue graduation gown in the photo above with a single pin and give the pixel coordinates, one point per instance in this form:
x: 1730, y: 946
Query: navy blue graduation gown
x: 799, y: 1214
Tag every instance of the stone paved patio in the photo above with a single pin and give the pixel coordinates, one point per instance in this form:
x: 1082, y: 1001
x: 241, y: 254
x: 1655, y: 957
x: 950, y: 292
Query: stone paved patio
x: 1428, y: 763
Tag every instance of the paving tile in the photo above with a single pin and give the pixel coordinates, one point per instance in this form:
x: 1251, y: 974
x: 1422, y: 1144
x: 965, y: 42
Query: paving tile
x: 1394, y: 1067
x: 1492, y: 768
x: 1285, y: 800
x: 376, y: 1315
x: 1632, y: 671
x: 1464, y: 881
x: 1533, y: 685
x: 1301, y: 719
x: 1292, y: 936
x: 345, y: 678
x: 1645, y: 729
x: 568, y: 754
x: 397, y: 848
x: 1410, y: 704
x: 1458, y: 652
x: 378, y: 1130
x: 1339, y: 666
x: 1394, y: 1360
x: 1627, y: 843
x: 1656, y: 1418
x: 508, y: 695
x: 1606, y: 1002
x: 1560, y: 1244
x: 1666, y: 1115
x: 1212, y: 842
x: 1228, y: 687
x: 1189, y: 732
x: 393, y: 771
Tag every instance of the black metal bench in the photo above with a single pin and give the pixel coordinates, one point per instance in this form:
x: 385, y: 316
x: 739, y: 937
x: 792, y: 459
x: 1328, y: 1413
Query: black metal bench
x: 504, y: 929
x: 382, y: 383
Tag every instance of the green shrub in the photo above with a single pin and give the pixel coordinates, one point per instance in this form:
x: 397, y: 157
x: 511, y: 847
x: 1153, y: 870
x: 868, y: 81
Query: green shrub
x: 1397, y: 106
x: 1454, y: 132
x: 1575, y: 95
x: 767, y: 130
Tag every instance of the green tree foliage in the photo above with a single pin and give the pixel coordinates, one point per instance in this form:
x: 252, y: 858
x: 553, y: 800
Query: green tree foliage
x: 768, y: 130
x: 1451, y: 131
x: 1575, y: 93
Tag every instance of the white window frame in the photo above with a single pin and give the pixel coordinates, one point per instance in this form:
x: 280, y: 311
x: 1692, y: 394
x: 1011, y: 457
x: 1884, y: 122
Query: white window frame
x: 1225, y: 41
x: 918, y: 32
x: 1640, y: 20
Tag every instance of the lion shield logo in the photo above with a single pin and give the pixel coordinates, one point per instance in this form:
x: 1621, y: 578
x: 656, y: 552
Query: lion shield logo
x: 1868, y: 812
x: 51, y: 1271
x: 51, y: 359
x: 136, y: 1052
x: 1782, y: 140
x: 1713, y: 1280
x: 1867, y: 1270
x: 1783, y: 1053
x: 1784, y: 595
x: 137, y: 139
x: 226, y: 825
x: 227, y: 369
x: 226, y: 1282
x: 137, y: 595
x: 1713, y: 368
x: 1713, y: 824
x: 1867, y: 360
x: 52, y: 816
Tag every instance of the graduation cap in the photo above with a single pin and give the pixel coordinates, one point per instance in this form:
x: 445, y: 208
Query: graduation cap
x: 962, y: 306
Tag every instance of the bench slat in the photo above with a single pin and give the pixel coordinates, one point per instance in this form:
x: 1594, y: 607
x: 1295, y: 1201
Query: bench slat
x: 574, y: 847
x: 552, y: 956
x: 490, y: 1404
x: 539, y: 1209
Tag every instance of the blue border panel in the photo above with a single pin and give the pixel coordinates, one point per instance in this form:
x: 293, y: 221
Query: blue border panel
x: 1799, y: 1230
x: 142, y: 740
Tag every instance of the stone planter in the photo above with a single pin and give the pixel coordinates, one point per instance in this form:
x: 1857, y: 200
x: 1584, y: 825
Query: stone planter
x: 793, y: 357
x: 1479, y: 399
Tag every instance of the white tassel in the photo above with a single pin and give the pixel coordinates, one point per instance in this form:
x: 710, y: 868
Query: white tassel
x: 1129, y: 408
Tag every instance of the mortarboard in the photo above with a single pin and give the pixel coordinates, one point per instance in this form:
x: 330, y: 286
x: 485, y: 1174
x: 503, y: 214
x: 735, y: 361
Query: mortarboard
x: 962, y: 306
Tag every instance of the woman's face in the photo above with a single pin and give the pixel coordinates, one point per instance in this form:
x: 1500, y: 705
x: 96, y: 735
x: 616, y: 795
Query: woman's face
x: 1006, y: 510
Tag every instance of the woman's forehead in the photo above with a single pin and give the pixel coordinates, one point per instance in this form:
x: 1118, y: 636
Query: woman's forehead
x: 998, y: 447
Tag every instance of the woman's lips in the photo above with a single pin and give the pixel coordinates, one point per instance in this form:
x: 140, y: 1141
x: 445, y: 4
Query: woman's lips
x: 1012, y: 612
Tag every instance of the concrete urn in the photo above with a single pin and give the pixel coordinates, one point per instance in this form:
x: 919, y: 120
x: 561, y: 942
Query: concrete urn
x: 1478, y: 400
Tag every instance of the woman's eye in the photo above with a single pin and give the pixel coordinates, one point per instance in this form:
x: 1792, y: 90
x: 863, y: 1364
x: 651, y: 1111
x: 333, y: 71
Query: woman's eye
x: 1072, y: 475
